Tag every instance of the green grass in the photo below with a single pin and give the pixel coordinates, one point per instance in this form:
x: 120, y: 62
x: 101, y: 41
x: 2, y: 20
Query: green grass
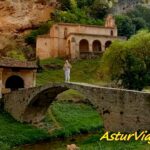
x: 14, y: 133
x: 67, y: 118
x: 71, y: 95
x: 72, y: 118
x: 75, y: 118
x: 93, y: 143
x: 82, y: 71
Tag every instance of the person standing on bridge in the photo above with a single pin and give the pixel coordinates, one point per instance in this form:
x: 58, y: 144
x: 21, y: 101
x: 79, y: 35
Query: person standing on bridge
x: 67, y: 67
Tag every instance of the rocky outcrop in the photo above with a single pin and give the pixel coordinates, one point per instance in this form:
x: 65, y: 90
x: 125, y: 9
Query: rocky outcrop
x: 20, y: 15
x: 17, y: 17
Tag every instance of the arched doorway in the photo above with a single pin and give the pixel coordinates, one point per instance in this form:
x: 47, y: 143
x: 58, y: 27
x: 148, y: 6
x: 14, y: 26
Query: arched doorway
x: 84, y: 46
x: 107, y: 44
x: 97, y: 46
x: 14, y: 83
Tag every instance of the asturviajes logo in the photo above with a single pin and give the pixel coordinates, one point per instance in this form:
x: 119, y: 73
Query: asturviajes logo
x: 142, y: 136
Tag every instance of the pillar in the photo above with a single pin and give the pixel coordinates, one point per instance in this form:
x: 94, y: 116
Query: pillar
x: 91, y: 46
x: 77, y: 50
x: 103, y: 46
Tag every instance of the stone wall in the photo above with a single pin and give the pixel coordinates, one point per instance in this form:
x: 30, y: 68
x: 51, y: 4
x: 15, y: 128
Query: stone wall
x: 121, y: 110
x: 55, y: 44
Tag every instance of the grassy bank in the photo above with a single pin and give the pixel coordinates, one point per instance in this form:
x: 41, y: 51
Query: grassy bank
x: 72, y: 119
x: 14, y: 133
x: 82, y: 71
x: 75, y: 119
x: 93, y: 143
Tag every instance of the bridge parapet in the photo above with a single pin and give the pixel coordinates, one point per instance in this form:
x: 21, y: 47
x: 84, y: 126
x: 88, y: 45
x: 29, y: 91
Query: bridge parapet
x: 121, y: 110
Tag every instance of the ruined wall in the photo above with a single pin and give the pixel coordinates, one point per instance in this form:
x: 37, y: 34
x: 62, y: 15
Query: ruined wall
x: 43, y: 47
x: 121, y: 110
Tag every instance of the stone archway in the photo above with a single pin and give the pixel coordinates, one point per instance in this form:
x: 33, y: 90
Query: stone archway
x: 84, y: 46
x: 97, y: 47
x: 117, y: 107
x: 107, y: 44
x: 14, y: 83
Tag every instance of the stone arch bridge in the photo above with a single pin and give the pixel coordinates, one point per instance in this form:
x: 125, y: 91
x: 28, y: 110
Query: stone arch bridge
x: 121, y: 110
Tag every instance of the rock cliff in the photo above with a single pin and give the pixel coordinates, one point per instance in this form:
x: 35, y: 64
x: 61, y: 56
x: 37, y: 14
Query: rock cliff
x: 20, y: 15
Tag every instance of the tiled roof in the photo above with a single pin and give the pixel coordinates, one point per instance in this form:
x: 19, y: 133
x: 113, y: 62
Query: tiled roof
x: 12, y: 63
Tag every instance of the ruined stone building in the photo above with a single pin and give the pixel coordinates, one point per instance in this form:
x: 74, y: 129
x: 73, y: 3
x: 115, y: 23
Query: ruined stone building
x: 16, y: 75
x: 75, y: 40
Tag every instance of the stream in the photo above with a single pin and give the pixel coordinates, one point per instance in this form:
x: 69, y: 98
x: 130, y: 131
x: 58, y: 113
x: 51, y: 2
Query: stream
x: 57, y: 144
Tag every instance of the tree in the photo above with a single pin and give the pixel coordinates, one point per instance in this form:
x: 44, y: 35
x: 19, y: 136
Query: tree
x: 134, y: 75
x: 99, y: 9
x: 125, y: 26
x: 65, y: 4
x: 128, y: 62
x: 84, y: 3
x: 73, y: 5
x: 141, y: 12
x: 139, y: 23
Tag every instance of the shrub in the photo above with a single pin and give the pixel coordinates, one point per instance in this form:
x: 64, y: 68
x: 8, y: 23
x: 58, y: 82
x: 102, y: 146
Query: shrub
x: 128, y: 62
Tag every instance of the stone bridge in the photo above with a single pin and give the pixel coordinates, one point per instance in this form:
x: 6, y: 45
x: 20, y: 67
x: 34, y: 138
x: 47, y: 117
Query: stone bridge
x: 121, y: 110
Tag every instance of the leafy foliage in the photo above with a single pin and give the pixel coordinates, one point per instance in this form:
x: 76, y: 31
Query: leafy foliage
x: 125, y: 26
x: 99, y: 9
x: 128, y: 62
x: 16, y: 55
x: 43, y: 29
x: 133, y: 21
x: 141, y: 12
x: 78, y: 16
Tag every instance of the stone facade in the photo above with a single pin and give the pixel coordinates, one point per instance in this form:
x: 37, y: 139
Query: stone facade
x: 73, y: 40
x: 15, y: 75
x: 121, y: 110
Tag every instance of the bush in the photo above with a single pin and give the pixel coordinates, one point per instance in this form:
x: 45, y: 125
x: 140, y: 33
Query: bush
x: 16, y: 55
x: 78, y: 16
x: 43, y: 29
x: 128, y: 62
x: 125, y: 25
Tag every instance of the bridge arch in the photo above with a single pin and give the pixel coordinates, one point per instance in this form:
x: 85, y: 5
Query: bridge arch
x: 117, y: 107
x: 39, y: 103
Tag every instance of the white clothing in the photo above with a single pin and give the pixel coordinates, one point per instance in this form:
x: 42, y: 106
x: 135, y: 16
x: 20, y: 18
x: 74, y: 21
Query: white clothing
x: 67, y: 75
